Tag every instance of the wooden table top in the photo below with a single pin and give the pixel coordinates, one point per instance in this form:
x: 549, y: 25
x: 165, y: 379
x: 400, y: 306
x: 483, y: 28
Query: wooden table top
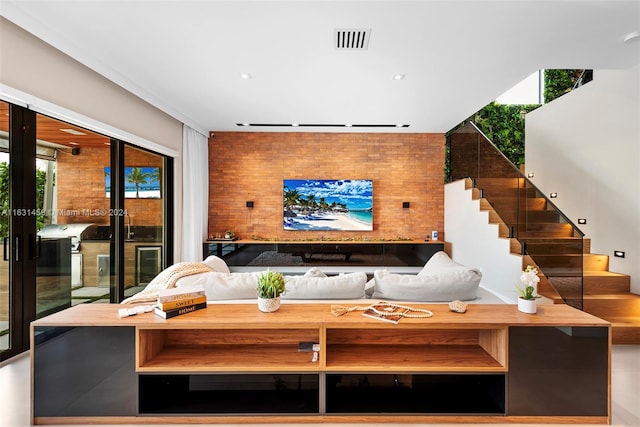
x: 303, y: 315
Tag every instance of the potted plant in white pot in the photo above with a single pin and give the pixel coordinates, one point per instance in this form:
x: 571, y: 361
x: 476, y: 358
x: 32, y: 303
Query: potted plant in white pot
x: 270, y: 287
x: 528, y: 290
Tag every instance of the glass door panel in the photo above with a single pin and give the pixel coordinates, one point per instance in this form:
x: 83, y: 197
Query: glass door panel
x: 73, y: 216
x: 144, y: 218
x: 63, y: 243
x: 5, y: 329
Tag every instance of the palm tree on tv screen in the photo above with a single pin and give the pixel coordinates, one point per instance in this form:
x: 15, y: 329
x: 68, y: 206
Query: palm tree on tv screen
x: 138, y: 177
x: 291, y: 198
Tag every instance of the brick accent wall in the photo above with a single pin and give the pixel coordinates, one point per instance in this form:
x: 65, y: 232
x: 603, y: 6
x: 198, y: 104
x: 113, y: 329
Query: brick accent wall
x: 252, y: 166
x: 81, y: 187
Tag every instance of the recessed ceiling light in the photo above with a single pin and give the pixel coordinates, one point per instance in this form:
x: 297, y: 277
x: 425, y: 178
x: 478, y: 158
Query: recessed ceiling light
x: 74, y: 143
x: 398, y: 77
x: 73, y: 131
x: 246, y: 76
x: 632, y: 37
x: 107, y: 143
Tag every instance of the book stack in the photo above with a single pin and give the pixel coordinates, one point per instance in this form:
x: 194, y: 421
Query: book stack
x: 176, y: 301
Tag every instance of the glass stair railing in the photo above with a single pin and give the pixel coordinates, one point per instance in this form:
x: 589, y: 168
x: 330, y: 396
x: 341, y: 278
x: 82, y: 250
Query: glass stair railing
x: 545, y: 235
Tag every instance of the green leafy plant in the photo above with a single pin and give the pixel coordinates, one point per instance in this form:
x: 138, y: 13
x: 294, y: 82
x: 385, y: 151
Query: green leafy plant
x: 529, y: 279
x: 559, y: 82
x: 5, y: 207
x: 504, y: 124
x: 270, y: 284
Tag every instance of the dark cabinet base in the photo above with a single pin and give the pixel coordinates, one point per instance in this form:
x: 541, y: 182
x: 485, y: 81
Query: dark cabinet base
x: 84, y: 371
x: 229, y: 394
x: 558, y: 371
x: 418, y: 394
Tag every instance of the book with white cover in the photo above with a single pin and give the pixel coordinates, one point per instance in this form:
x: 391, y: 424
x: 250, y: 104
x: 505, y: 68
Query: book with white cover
x: 165, y: 295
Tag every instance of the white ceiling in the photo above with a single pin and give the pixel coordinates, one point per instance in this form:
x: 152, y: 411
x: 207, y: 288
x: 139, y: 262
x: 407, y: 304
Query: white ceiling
x: 187, y: 57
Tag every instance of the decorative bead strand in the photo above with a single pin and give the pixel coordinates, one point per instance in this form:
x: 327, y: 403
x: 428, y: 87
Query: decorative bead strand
x: 339, y: 310
x: 426, y: 313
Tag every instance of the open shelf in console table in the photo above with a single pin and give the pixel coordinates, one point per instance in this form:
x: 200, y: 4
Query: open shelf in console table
x: 221, y: 350
x: 416, y: 349
x: 234, y: 364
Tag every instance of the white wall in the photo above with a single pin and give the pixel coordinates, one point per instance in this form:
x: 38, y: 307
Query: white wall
x: 50, y: 80
x: 585, y: 146
x: 528, y: 91
x: 475, y: 242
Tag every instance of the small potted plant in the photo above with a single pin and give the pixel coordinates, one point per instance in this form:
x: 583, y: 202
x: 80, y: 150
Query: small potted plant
x: 270, y: 287
x: 528, y: 290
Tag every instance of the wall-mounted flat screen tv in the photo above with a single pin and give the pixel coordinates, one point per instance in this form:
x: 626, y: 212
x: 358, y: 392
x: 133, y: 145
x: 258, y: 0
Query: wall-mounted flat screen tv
x: 140, y: 182
x: 328, y: 204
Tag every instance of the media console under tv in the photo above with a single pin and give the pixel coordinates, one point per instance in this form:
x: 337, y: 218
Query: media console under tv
x: 349, y: 253
x: 235, y: 364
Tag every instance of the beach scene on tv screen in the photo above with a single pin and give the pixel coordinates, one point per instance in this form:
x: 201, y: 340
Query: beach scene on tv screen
x: 140, y: 182
x: 328, y: 205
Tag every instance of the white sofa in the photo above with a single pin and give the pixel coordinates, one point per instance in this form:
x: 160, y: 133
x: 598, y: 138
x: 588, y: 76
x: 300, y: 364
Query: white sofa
x: 441, y: 280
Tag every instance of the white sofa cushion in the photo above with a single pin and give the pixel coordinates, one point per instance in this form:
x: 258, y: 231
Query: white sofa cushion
x: 313, y: 285
x: 442, y: 281
x: 224, y: 286
x: 343, y: 286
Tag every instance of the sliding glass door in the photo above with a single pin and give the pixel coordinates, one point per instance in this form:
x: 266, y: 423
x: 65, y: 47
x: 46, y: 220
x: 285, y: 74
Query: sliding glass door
x: 83, y: 219
x: 17, y: 228
x: 144, y: 209
x: 6, y: 310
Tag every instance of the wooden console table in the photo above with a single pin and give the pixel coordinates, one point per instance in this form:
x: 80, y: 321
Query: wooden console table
x: 234, y: 364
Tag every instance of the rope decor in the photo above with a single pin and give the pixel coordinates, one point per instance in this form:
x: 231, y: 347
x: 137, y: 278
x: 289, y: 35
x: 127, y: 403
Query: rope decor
x: 411, y: 313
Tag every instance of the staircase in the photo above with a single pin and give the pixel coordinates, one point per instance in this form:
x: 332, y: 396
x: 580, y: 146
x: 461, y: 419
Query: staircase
x: 569, y: 272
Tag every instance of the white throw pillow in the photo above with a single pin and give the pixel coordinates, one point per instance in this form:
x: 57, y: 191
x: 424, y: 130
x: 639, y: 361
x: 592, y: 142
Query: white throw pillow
x: 343, y: 286
x: 456, y: 284
x: 314, y: 272
x: 439, y: 263
x: 217, y: 264
x: 225, y: 286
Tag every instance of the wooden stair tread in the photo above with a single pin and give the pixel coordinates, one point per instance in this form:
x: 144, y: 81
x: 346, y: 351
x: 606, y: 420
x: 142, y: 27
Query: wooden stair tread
x: 601, y: 273
x: 613, y: 296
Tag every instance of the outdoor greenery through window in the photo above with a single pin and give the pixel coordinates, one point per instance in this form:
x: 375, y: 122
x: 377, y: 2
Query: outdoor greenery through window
x: 41, y: 177
x: 503, y: 124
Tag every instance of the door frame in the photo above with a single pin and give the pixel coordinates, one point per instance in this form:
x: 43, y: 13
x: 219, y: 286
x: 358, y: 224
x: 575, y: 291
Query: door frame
x: 22, y: 245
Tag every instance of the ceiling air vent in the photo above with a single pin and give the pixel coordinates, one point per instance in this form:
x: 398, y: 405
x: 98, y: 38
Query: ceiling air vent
x: 352, y: 38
